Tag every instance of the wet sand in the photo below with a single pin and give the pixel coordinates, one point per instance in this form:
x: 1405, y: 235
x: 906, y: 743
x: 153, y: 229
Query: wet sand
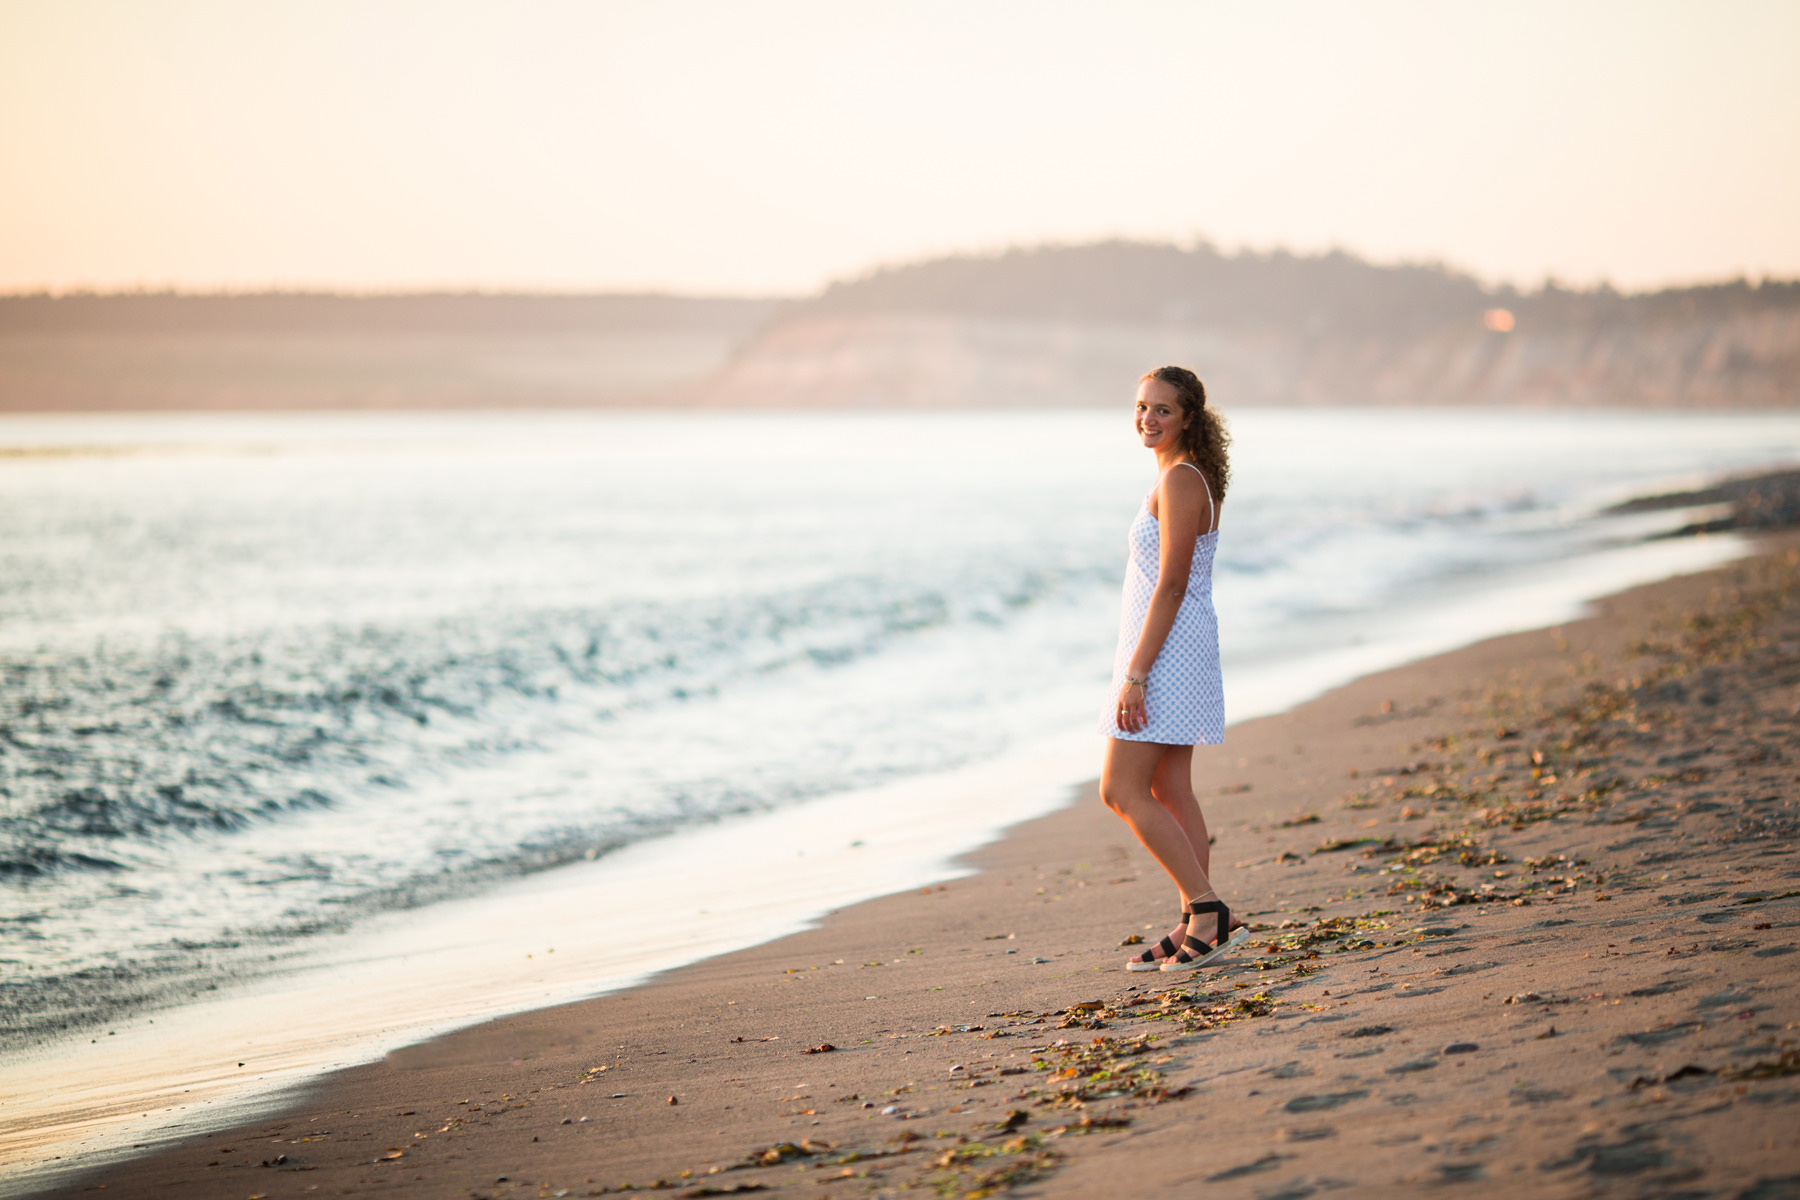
x: 1525, y: 918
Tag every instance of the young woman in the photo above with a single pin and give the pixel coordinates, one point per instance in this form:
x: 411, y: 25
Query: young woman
x: 1167, y: 695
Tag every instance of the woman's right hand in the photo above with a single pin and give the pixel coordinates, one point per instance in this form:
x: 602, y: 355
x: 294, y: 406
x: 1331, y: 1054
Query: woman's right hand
x: 1131, y: 713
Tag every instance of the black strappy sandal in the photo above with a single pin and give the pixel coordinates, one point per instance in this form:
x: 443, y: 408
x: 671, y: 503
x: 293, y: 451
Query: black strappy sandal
x: 1195, y: 953
x: 1150, y: 960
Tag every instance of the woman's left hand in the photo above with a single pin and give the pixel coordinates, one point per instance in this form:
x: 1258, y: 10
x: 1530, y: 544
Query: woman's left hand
x: 1131, y: 713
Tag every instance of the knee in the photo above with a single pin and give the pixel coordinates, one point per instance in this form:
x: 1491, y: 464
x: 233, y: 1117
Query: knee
x: 1128, y: 802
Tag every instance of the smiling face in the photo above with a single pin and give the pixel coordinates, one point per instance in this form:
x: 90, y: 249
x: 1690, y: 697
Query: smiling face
x: 1160, y: 417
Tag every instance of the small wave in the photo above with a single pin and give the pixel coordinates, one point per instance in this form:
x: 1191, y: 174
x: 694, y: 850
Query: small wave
x: 191, y: 738
x: 34, y: 861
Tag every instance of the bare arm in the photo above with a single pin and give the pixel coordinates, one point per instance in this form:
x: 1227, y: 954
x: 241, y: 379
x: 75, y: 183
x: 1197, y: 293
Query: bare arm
x: 1183, y: 514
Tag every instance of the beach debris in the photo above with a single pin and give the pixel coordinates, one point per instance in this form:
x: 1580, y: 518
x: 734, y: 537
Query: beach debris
x: 821, y: 1048
x: 707, y: 1189
x: 978, y: 1169
x: 1787, y: 1064
x: 1690, y: 1071
x: 1333, y: 845
x: 782, y: 1152
x: 1136, y: 939
x: 673, y: 1100
x: 998, y: 1156
x: 1774, y: 896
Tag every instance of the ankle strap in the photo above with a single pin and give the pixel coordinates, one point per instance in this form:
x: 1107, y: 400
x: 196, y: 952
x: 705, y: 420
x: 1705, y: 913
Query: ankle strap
x: 1198, y: 907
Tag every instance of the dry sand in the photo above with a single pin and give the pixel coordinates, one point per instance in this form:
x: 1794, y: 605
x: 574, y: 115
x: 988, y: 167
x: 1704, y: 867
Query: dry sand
x: 1525, y: 922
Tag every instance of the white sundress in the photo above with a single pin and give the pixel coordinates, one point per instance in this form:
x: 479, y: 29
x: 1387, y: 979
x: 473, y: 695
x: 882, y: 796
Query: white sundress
x: 1186, y: 694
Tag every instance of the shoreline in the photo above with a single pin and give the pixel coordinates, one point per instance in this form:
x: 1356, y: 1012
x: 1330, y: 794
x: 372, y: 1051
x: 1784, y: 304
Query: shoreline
x: 161, y: 1073
x: 361, y: 994
x: 1274, y: 782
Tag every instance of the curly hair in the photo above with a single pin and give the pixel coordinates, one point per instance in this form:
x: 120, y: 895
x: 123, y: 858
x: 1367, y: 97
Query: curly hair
x: 1205, y: 437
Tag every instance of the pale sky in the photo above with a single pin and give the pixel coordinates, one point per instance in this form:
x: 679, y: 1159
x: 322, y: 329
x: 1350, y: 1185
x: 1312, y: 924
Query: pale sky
x: 745, y: 147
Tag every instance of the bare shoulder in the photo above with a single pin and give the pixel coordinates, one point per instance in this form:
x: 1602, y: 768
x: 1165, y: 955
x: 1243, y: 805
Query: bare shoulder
x: 1184, y: 483
x: 1187, y: 496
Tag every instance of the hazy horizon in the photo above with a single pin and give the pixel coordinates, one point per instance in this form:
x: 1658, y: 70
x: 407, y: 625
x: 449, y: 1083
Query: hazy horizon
x: 705, y: 148
x: 857, y: 278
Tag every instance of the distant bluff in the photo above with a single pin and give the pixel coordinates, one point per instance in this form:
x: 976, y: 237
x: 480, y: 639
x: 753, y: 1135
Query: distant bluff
x: 1054, y: 326
x: 1076, y: 325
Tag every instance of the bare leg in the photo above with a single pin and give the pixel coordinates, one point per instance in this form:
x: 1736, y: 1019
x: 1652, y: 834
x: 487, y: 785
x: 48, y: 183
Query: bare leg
x: 1127, y: 787
x: 1173, y: 787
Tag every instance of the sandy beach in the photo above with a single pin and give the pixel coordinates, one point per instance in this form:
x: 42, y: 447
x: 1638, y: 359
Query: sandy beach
x: 1523, y: 917
x: 566, y: 571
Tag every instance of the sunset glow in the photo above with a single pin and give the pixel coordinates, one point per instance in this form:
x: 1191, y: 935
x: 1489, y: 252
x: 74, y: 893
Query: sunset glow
x: 756, y: 149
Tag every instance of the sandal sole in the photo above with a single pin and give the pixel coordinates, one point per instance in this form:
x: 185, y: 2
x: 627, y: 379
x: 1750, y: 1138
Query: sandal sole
x: 1217, y: 952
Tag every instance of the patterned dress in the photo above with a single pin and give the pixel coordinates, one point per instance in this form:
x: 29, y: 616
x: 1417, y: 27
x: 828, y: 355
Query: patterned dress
x: 1186, y: 695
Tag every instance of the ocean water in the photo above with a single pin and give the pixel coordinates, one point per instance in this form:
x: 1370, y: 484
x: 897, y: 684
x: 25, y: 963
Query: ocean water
x: 267, y: 676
